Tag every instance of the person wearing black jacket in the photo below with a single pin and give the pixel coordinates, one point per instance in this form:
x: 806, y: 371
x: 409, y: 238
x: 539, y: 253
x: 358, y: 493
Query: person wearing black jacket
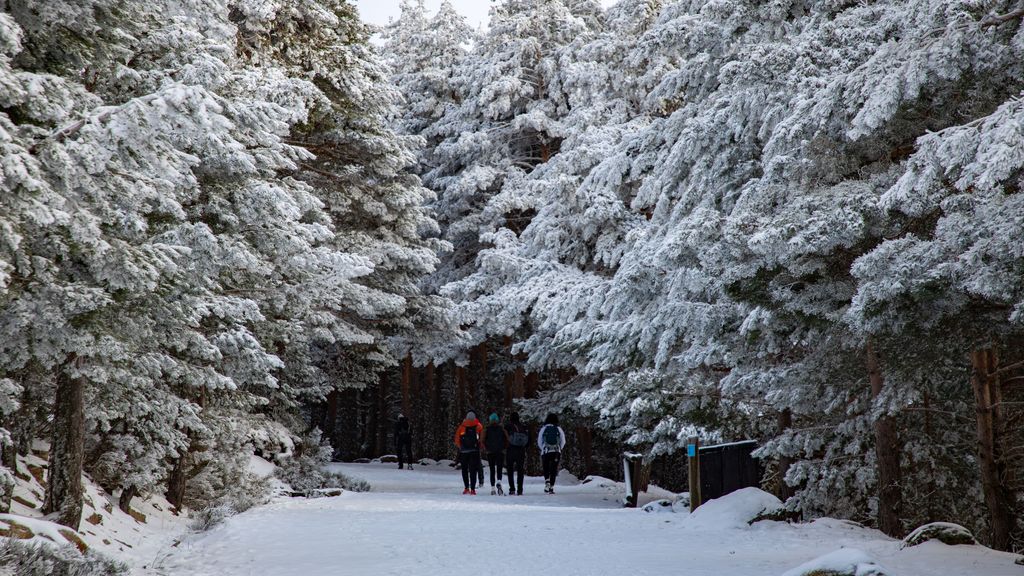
x: 495, y: 442
x: 403, y: 441
x: 515, y: 457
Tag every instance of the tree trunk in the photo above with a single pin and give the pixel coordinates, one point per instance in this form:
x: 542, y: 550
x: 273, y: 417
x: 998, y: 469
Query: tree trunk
x: 426, y: 408
x: 382, y: 415
x: 585, y: 439
x: 407, y: 385
x: 176, y: 482
x: 436, y: 379
x: 518, y: 389
x: 998, y: 498
x: 887, y: 454
x: 177, y: 479
x: 460, y: 391
x: 785, y: 491
x: 532, y: 384
x: 64, y: 495
x: 481, y: 377
x: 124, y: 502
x: 509, y: 376
x: 331, y: 416
x: 933, y: 489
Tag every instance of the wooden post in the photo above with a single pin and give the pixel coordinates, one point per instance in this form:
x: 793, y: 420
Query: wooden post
x: 693, y: 453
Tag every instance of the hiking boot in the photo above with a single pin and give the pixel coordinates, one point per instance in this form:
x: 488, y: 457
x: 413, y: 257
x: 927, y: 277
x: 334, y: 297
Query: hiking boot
x: 519, y: 492
x: 547, y: 487
x: 501, y: 492
x: 465, y: 491
x: 493, y: 491
x: 472, y: 492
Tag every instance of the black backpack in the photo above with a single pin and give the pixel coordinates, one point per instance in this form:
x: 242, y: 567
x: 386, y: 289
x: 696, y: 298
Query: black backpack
x: 469, y: 440
x: 495, y: 438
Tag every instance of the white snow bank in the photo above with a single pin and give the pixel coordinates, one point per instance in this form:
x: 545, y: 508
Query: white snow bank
x: 39, y: 530
x: 845, y: 562
x: 735, y: 510
x: 261, y: 467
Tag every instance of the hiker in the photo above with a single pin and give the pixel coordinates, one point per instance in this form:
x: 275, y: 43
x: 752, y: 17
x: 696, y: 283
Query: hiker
x: 403, y: 441
x: 495, y: 442
x: 515, y: 457
x: 551, y: 441
x: 467, y: 439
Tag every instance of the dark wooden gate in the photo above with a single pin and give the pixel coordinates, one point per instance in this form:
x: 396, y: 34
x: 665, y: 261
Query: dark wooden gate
x: 726, y: 468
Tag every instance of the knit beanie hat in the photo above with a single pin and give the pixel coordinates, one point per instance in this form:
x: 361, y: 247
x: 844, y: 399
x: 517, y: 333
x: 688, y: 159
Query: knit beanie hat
x: 494, y: 417
x: 470, y: 415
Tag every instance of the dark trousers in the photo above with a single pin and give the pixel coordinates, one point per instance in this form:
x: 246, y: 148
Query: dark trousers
x: 550, y: 462
x: 404, y: 451
x: 516, y: 461
x: 495, y: 461
x: 470, y: 462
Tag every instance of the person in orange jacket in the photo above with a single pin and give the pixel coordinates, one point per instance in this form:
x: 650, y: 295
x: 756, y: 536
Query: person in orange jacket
x: 467, y: 439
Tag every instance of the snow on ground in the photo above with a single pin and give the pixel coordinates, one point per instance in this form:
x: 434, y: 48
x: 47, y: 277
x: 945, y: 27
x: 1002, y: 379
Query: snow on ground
x: 137, y: 539
x: 418, y: 523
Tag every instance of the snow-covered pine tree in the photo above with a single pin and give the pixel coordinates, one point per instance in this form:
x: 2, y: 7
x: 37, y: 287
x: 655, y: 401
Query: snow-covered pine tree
x: 362, y: 174
x: 194, y: 291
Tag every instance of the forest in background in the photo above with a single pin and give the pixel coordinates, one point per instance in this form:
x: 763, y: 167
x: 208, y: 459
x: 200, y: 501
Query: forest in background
x: 225, y: 224
x: 797, y: 221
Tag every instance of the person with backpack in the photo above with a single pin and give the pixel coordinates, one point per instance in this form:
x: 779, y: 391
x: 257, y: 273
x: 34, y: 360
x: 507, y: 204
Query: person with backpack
x: 515, y: 456
x: 551, y: 441
x: 495, y: 442
x: 467, y: 440
x: 403, y: 441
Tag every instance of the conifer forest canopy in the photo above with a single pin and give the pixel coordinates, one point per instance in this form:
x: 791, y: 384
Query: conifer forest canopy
x: 230, y: 226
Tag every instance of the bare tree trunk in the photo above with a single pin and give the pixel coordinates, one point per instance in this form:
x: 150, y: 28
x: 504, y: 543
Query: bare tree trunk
x: 887, y: 455
x: 998, y: 498
x: 64, y: 495
x: 785, y: 491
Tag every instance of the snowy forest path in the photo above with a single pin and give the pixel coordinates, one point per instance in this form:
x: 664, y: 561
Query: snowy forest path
x: 418, y: 523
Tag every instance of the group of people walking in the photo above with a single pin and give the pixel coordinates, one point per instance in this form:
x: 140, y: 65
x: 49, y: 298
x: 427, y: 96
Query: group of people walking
x: 504, y: 446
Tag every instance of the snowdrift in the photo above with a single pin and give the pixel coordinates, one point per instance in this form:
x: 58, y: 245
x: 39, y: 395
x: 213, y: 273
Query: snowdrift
x: 736, y: 510
x: 844, y: 562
